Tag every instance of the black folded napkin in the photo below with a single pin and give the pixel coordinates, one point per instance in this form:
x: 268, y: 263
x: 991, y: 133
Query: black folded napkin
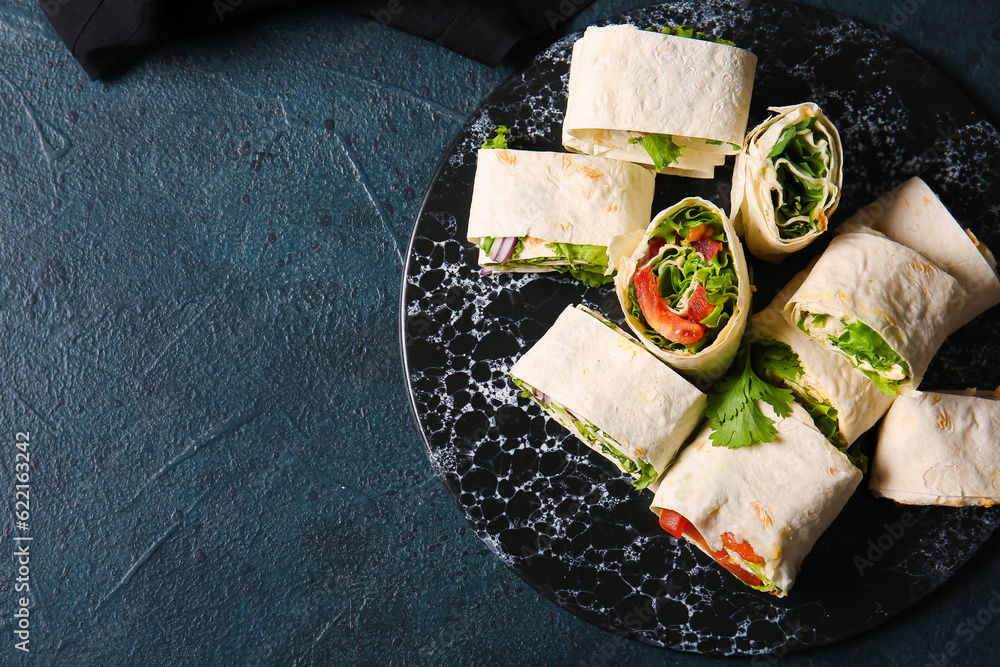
x: 106, y: 36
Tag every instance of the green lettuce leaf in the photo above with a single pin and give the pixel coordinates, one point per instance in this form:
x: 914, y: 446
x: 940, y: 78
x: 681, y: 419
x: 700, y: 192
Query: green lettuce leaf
x: 825, y: 417
x: 589, y: 261
x: 499, y: 140
x: 864, y: 344
x: 778, y: 359
x: 786, y: 136
x: 758, y: 569
x: 684, y: 220
x: 802, y: 197
x: 596, y: 255
x: 646, y: 472
x: 588, y: 275
x: 718, y: 276
x: 661, y: 148
x: 857, y: 457
x: 692, y: 33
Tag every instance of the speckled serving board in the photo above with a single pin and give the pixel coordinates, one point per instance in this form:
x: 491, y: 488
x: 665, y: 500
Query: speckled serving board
x: 561, y: 516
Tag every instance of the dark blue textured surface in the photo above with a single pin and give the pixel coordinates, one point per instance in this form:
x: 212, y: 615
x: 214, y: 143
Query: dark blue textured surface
x: 200, y: 272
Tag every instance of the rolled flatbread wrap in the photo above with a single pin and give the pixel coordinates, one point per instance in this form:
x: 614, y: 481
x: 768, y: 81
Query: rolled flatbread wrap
x: 611, y: 393
x: 882, y: 305
x: 787, y: 181
x: 535, y: 211
x: 913, y: 215
x: 843, y: 402
x: 685, y: 290
x: 940, y: 449
x: 758, y: 510
x: 638, y: 93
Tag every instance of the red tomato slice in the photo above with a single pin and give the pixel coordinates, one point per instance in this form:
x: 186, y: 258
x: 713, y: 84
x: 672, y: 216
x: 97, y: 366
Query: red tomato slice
x: 676, y: 525
x: 672, y: 522
x: 700, y: 232
x: 707, y: 248
x: 669, y: 325
x: 746, y: 575
x: 723, y: 559
x: 744, y: 549
x: 698, y: 306
x: 654, y: 248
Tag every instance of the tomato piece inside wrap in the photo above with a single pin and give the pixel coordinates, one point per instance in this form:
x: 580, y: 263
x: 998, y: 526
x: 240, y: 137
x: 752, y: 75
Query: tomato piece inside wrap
x: 678, y: 526
x: 685, y: 287
x: 668, y: 324
x: 698, y: 306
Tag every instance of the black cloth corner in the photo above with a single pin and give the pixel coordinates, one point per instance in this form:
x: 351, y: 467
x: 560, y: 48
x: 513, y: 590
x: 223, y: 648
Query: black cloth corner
x: 107, y: 36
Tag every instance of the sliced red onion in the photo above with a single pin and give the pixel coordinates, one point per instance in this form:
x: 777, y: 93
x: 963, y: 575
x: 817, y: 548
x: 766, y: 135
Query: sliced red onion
x: 503, y: 249
x: 540, y: 395
x: 485, y: 272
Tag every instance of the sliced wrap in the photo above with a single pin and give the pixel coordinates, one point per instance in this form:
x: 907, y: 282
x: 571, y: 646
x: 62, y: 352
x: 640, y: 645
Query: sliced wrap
x: 787, y: 181
x: 544, y: 211
x: 940, y: 449
x: 914, y: 216
x: 685, y: 290
x: 882, y: 305
x: 843, y: 402
x: 626, y: 83
x: 758, y: 510
x: 611, y: 393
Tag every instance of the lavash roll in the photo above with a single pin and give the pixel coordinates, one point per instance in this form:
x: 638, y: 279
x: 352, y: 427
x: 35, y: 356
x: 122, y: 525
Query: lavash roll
x: 828, y: 376
x: 625, y: 82
x: 755, y: 183
x: 602, y: 376
x: 552, y: 197
x: 940, y: 449
x: 712, y: 361
x: 899, y: 293
x: 778, y: 496
x: 913, y: 215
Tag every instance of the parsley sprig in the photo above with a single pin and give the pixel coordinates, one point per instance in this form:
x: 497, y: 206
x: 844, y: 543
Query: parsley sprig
x: 738, y: 420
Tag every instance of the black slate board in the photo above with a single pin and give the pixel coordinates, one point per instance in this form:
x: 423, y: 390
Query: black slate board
x: 560, y: 515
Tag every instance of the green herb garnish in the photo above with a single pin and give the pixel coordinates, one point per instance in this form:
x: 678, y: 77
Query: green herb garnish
x: 738, y: 419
